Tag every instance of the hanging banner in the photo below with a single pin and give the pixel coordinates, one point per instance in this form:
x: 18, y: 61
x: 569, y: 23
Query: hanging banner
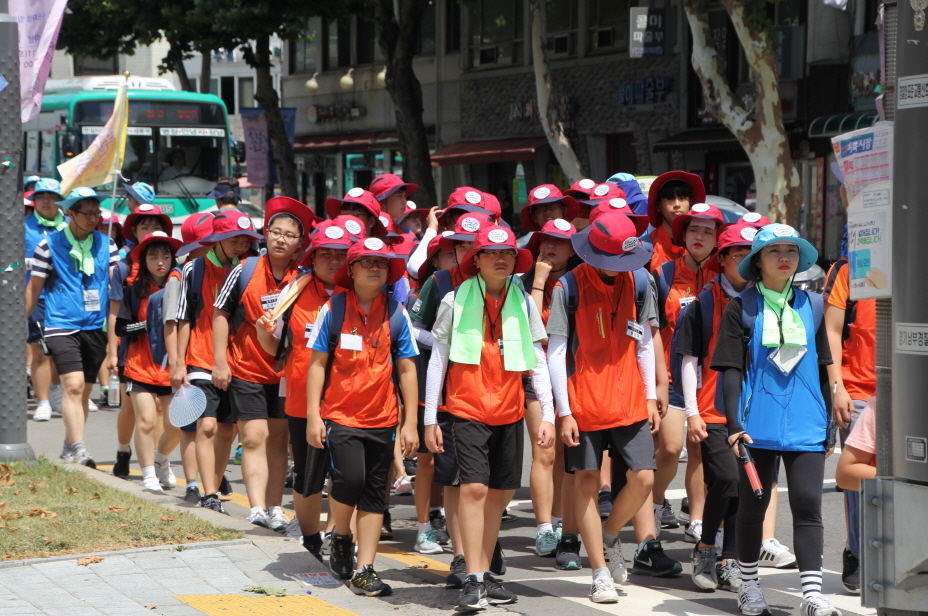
x: 95, y: 165
x: 257, y: 146
x: 39, y: 23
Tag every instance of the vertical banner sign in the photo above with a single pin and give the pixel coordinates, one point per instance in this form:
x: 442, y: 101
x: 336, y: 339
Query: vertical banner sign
x: 39, y: 23
x: 646, y: 32
x: 257, y: 147
x: 289, y: 115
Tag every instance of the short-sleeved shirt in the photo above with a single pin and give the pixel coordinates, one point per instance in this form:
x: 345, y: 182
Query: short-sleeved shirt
x: 863, y: 436
x: 858, y: 357
x: 425, y: 307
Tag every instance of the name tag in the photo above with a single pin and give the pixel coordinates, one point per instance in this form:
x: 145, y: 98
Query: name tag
x: 269, y: 302
x: 351, y: 342
x: 634, y: 329
x: 308, y: 332
x: 699, y: 376
x: 92, y: 300
x: 500, y: 347
x: 686, y: 301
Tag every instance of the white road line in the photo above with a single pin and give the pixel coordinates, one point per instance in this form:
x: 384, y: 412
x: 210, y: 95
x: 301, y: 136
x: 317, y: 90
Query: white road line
x: 787, y: 581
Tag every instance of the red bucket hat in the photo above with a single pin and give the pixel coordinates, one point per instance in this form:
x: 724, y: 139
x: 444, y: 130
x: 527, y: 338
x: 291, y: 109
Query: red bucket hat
x: 558, y: 228
x: 287, y: 205
x: 146, y: 209
x: 581, y: 189
x: 363, y: 198
x: 385, y: 185
x: 338, y: 233
x: 702, y: 211
x: 196, y: 228
x: 492, y: 206
x: 228, y: 224
x: 466, y: 229
x: 608, y: 197
x: 547, y: 193
x: 104, y: 225
x: 467, y: 199
x: 426, y: 269
x: 370, y: 247
x: 737, y: 234
x: 696, y: 185
x: 754, y: 219
x: 611, y: 243
x: 405, y: 246
x: 497, y: 237
x: 155, y: 236
x: 410, y: 211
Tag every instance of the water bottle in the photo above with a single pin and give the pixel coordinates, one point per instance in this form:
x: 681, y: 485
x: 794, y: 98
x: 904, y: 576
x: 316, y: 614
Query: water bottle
x: 112, y: 393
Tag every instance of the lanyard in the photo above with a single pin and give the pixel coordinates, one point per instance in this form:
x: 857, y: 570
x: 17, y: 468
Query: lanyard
x: 618, y: 300
x: 370, y: 339
x: 486, y: 309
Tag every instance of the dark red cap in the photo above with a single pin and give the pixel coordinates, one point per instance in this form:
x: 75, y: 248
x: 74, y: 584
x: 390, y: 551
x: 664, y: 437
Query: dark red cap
x: 581, y: 189
x: 370, y: 247
x: 697, y: 210
x: 385, y: 185
x: 696, y: 185
x: 363, y: 198
x: 154, y: 236
x: 497, y: 237
x: 558, y: 228
x: 738, y: 234
x: 196, y: 228
x: 547, y: 193
x: 147, y: 209
x: 466, y: 229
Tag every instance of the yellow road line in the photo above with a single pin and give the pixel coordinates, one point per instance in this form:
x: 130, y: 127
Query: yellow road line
x: 414, y: 558
x: 239, y: 605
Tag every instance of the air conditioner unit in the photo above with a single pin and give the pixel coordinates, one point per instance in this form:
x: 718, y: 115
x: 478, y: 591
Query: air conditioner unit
x: 561, y: 44
x: 488, y: 55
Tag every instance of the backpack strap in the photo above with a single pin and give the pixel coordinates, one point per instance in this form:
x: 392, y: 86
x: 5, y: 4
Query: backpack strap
x: 249, y: 266
x: 572, y: 298
x: 818, y: 308
x: 286, y: 335
x: 154, y: 321
x: 397, y: 319
x: 707, y: 312
x: 445, y: 285
x: 642, y: 288
x: 195, y: 290
x: 337, y: 306
x: 850, y: 305
x: 664, y: 282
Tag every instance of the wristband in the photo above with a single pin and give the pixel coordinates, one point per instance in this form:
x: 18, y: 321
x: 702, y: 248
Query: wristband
x: 538, y: 289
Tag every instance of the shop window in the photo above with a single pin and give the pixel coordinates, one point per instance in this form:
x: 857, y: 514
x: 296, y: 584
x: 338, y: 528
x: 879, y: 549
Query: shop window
x: 246, y: 92
x: 227, y: 93
x: 337, y: 44
x: 497, y: 32
x: 304, y: 50
x: 366, y: 39
x: 608, y: 25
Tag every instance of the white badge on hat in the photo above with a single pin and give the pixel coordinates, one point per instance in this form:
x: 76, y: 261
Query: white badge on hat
x: 561, y: 225
x: 447, y: 233
x: 586, y: 184
x: 145, y: 207
x: 700, y: 208
x: 618, y: 202
x: 601, y: 190
x: 498, y: 236
x: 629, y: 243
x: 243, y: 223
x: 410, y: 204
x: 473, y: 197
x: 353, y: 227
x: 384, y: 221
x: 751, y: 217
x: 355, y: 192
x: 542, y: 193
x: 470, y: 224
x: 748, y: 233
x: 784, y: 231
x: 83, y: 191
x: 335, y: 233
x: 373, y: 243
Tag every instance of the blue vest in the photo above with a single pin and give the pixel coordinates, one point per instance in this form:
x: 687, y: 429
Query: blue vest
x: 35, y: 233
x: 783, y: 412
x: 64, y: 300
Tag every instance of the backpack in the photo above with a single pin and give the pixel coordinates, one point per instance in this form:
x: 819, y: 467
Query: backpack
x: 286, y: 336
x: 194, y: 289
x: 850, y: 307
x: 706, y: 303
x: 154, y: 324
x: 249, y: 266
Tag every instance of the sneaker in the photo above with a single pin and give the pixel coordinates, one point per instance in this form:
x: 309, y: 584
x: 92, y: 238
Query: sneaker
x: 616, y: 562
x: 288, y: 482
x: 685, y: 505
x: 668, y: 517
x: 498, y: 562
x: 237, y: 460
x: 165, y: 474
x: 605, y: 503
x: 83, y: 458
x: 326, y: 542
x: 313, y: 544
x: 121, y: 468
x: 704, y: 575
x: 508, y: 517
x: 341, y: 556
x: 559, y: 530
x: 720, y: 538
x: 693, y: 532
x: 55, y: 394
x: 426, y: 543
x: 67, y: 454
x: 92, y: 406
x: 473, y: 595
x: 258, y: 517
x: 545, y: 543
x: 603, y: 591
x: 277, y: 520
x: 658, y: 517
x: 775, y: 554
x: 43, y: 412
x: 850, y: 572
x: 683, y: 454
x: 458, y: 573
x: 152, y: 485
x: 212, y: 502
x: 409, y: 465
x: 366, y: 582
x: 225, y: 488
x: 751, y: 599
x: 651, y: 560
x: 192, y: 495
x: 403, y: 485
x: 567, y: 554
x: 817, y: 605
x: 440, y: 526
x: 386, y: 531
x: 496, y: 594
x: 729, y: 575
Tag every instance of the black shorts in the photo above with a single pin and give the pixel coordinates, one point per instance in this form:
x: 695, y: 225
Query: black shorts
x: 255, y: 401
x: 307, y: 480
x: 528, y: 387
x: 137, y: 387
x: 121, y: 371
x: 361, y: 459
x: 34, y: 324
x: 420, y: 428
x: 82, y: 351
x: 632, y: 446
x: 218, y: 403
x: 491, y: 455
x: 719, y: 464
x: 446, y: 464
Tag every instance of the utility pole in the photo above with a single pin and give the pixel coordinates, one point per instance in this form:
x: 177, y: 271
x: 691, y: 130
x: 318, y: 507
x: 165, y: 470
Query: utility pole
x: 13, y: 445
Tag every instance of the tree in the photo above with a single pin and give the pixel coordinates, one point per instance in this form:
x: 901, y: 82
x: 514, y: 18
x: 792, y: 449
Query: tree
x: 759, y: 130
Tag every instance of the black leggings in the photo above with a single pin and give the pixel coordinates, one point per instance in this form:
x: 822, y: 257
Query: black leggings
x: 720, y: 468
x: 805, y: 474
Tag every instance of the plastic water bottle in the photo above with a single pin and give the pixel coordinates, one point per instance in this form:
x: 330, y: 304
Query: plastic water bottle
x: 112, y: 392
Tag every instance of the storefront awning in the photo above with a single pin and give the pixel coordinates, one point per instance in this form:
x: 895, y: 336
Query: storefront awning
x: 494, y: 151
x: 715, y: 138
x: 830, y: 126
x: 319, y: 144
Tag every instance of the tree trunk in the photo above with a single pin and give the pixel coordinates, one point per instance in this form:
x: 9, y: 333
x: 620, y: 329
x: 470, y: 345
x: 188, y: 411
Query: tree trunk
x: 177, y: 59
x: 759, y: 131
x: 398, y: 44
x: 547, y: 106
x: 206, y: 70
x: 269, y: 101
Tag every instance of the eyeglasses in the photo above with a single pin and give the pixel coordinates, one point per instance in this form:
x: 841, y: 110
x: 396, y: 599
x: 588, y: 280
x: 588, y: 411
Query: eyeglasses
x: 370, y: 263
x: 96, y: 214
x: 275, y: 234
x: 510, y: 254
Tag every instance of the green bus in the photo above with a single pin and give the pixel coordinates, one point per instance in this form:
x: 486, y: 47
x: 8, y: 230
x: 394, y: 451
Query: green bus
x: 178, y: 142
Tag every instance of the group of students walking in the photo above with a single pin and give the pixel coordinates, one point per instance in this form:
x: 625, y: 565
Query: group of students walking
x: 656, y: 322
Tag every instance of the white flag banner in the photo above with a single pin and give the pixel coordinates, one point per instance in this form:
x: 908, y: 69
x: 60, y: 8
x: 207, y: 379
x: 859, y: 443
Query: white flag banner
x: 39, y: 23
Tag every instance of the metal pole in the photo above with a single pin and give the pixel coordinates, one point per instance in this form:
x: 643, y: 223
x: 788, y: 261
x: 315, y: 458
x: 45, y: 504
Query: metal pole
x: 13, y: 445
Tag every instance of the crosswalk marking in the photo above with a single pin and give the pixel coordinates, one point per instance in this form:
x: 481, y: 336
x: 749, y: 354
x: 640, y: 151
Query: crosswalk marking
x: 787, y: 581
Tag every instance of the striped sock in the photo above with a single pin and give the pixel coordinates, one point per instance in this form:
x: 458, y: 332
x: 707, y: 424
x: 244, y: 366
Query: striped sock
x: 811, y: 583
x: 748, y: 571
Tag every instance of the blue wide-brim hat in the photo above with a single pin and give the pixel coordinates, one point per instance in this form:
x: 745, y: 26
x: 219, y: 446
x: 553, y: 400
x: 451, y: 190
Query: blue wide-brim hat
x: 79, y: 193
x: 778, y: 234
x: 140, y: 191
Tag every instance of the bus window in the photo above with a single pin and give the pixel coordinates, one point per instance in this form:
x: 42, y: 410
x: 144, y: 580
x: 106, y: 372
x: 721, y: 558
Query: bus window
x: 191, y: 160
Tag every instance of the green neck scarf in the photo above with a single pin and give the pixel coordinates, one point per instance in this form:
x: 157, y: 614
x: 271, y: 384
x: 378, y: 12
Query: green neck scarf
x: 80, y: 251
x: 58, y: 223
x: 780, y: 319
x: 214, y: 259
x: 468, y: 322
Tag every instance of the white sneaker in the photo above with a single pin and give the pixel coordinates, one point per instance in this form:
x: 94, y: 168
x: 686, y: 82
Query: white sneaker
x: 693, y: 532
x: 658, y: 514
x: 751, y: 599
x: 603, y: 591
x: 258, y: 517
x: 719, y: 538
x: 403, y: 485
x: 293, y: 529
x: 427, y: 543
x: 153, y: 485
x: 43, y: 412
x: 326, y: 542
x: 92, y: 406
x: 277, y: 519
x: 817, y: 605
x: 616, y: 564
x: 775, y: 554
x: 54, y: 398
x: 165, y: 475
x: 67, y: 454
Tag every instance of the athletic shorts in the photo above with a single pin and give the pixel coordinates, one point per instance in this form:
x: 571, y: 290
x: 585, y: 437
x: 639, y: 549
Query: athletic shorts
x: 719, y: 464
x: 528, y: 387
x: 255, y: 401
x: 82, y: 351
x: 676, y: 399
x: 137, y: 387
x: 121, y: 371
x: 420, y: 428
x: 361, y: 460
x: 35, y: 323
x: 320, y: 464
x: 491, y: 455
x: 632, y: 446
x: 446, y: 464
x: 218, y: 403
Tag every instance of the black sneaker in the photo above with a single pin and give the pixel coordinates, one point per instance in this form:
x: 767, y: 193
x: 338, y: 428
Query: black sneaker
x: 669, y: 518
x: 496, y: 594
x: 121, y: 468
x: 192, y: 495
x: 409, y: 465
x: 567, y: 554
x: 651, y: 560
x: 225, y: 488
x: 685, y: 505
x: 212, y: 502
x: 498, y: 562
x: 509, y: 517
x: 341, y: 556
x: 473, y: 596
x: 386, y: 531
x: 850, y: 572
x: 313, y: 544
x: 366, y: 582
x: 605, y: 503
x: 440, y: 526
x: 458, y: 573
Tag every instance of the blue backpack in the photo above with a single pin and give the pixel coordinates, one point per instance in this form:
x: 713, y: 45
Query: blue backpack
x: 154, y: 323
x: 706, y: 303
